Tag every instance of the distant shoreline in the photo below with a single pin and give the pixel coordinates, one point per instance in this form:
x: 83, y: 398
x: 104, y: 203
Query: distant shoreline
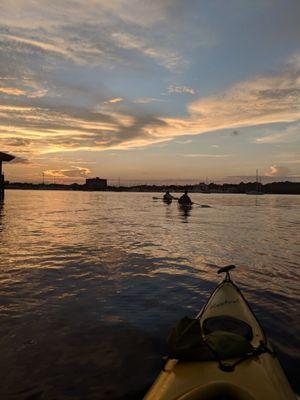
x: 240, y: 188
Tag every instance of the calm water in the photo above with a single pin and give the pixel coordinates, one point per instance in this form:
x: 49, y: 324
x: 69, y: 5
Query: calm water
x: 91, y: 284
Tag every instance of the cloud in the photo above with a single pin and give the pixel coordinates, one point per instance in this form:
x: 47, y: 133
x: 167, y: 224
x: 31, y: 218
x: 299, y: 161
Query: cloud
x: 12, y: 91
x: 115, y: 100
x: 163, y: 56
x: 262, y: 100
x: 147, y: 100
x: 287, y: 135
x: 90, y: 34
x: 21, y: 87
x: 48, y: 101
x: 141, y: 14
x: 35, y: 45
x: 206, y: 155
x: 53, y: 106
x: 74, y: 172
x: 297, y: 161
x: 181, y: 89
x: 63, y: 128
x: 15, y: 142
x: 278, y: 170
x: 184, y: 141
x: 20, y: 160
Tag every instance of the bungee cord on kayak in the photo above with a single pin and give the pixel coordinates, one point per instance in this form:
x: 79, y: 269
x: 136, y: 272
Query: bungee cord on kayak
x: 223, y: 353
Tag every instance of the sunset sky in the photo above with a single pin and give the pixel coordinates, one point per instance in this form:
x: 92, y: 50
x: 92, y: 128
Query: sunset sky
x: 150, y: 91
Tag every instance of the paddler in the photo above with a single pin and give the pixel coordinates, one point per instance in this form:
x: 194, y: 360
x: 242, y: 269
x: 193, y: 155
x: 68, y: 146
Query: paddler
x: 185, y: 200
x: 168, y: 196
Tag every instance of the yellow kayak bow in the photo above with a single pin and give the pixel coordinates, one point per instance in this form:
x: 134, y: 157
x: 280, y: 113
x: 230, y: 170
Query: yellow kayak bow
x: 255, y: 376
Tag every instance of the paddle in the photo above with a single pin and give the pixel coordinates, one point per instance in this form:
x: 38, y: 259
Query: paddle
x: 176, y: 198
x: 202, y: 205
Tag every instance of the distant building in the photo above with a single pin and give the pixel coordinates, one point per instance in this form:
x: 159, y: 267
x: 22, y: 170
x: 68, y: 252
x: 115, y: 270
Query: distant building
x: 96, y: 184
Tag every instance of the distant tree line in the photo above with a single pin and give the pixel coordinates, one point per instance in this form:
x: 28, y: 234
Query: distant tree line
x: 274, y: 187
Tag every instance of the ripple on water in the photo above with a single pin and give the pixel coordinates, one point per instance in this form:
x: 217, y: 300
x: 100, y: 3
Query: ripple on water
x: 90, y: 281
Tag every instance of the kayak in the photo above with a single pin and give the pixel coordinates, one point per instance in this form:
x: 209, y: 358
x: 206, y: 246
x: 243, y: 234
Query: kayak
x: 167, y: 201
x: 222, y: 354
x: 185, y: 206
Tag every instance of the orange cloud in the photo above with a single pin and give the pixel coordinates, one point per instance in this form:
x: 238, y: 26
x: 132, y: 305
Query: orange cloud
x: 115, y: 100
x: 12, y: 91
x: 73, y: 172
x: 262, y: 100
x: 278, y: 170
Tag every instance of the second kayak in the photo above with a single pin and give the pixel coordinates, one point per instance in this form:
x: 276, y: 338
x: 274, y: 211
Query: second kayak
x: 185, y: 206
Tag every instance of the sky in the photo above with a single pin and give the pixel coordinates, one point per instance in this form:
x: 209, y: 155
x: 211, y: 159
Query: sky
x: 140, y: 91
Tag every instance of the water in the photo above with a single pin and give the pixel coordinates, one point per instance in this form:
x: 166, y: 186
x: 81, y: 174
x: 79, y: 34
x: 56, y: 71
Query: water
x: 91, y: 284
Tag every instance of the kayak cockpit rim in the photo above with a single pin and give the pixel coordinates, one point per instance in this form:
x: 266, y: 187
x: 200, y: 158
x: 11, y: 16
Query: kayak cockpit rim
x: 258, y: 376
x: 227, y: 280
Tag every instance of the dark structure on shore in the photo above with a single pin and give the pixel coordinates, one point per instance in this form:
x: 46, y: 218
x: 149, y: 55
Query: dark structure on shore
x: 101, y: 184
x: 4, y: 157
x: 96, y: 184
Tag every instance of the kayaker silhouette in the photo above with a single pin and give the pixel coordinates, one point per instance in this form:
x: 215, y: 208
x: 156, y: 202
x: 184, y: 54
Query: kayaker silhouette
x: 168, y: 196
x: 185, y: 200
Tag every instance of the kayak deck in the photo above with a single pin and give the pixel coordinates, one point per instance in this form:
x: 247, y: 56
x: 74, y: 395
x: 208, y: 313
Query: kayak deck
x: 255, y: 378
x: 259, y: 378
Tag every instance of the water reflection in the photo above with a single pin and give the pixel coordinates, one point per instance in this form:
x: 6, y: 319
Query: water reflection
x: 1, y: 213
x: 169, y: 211
x: 90, y: 281
x: 184, y: 212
